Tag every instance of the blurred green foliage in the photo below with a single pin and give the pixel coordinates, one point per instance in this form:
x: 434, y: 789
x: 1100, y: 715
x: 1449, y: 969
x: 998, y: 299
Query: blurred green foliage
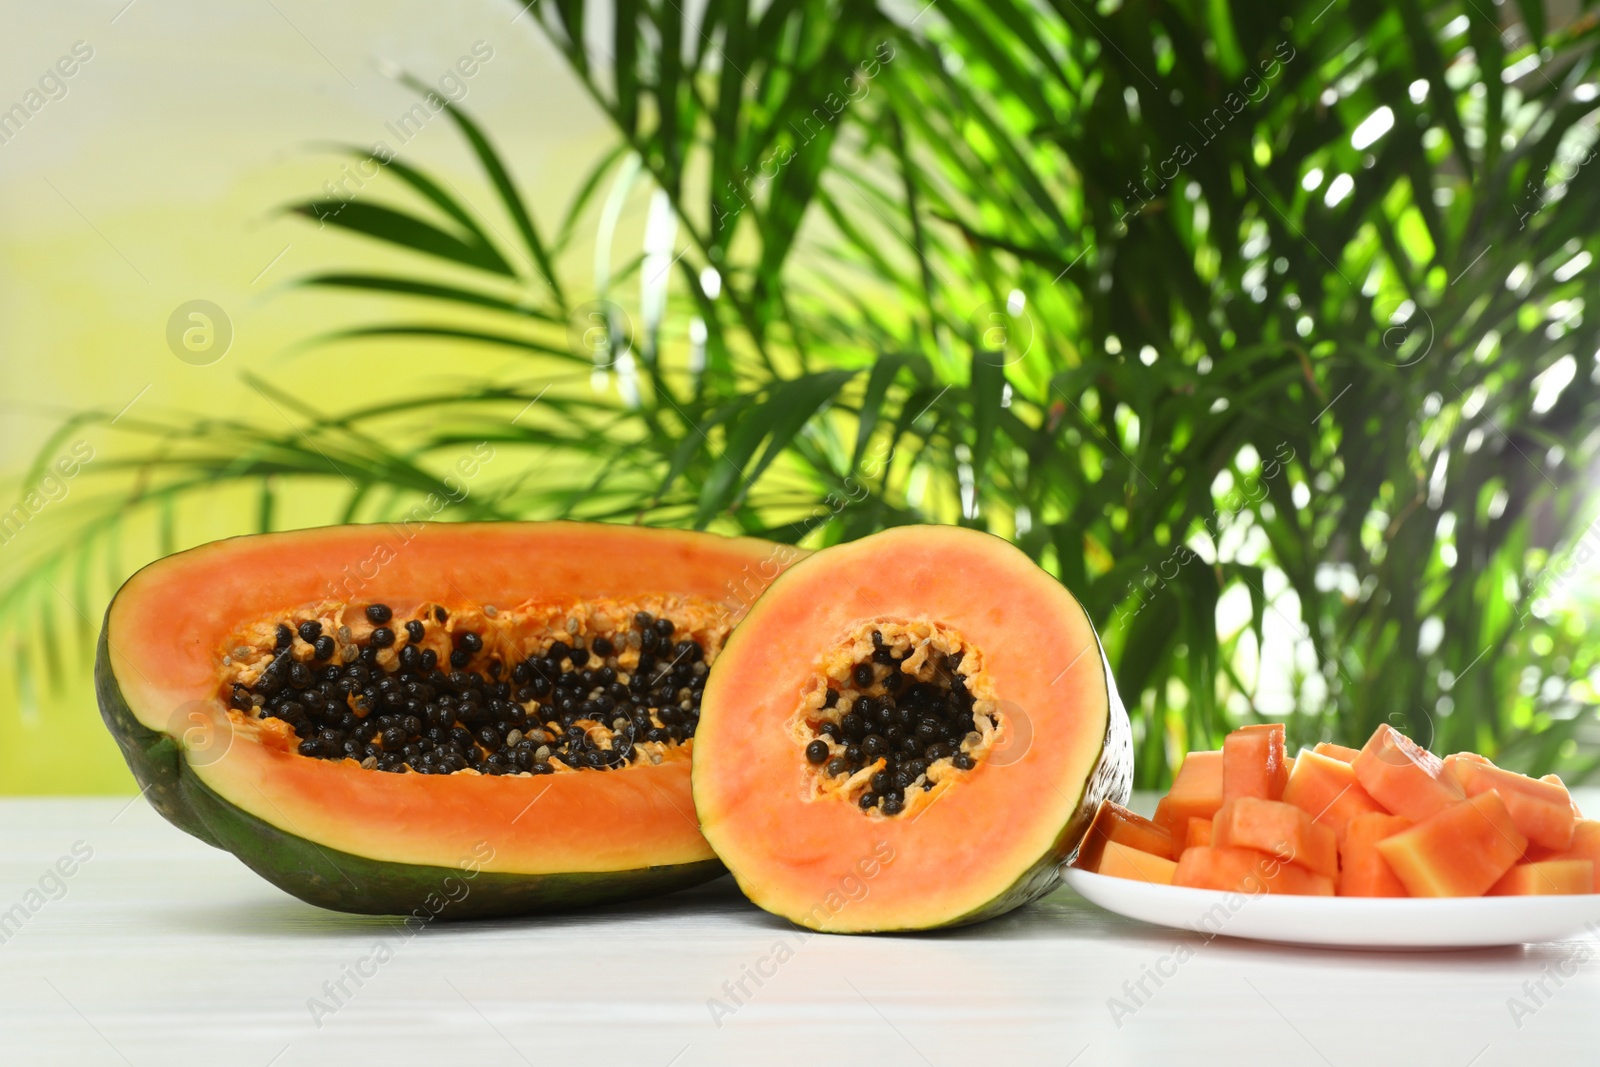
x: 1263, y: 326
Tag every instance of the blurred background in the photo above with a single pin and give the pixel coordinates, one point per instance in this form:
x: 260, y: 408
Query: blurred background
x: 1261, y: 325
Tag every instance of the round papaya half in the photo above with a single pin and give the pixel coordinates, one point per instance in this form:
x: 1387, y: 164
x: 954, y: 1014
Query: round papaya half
x: 908, y: 731
x: 465, y: 719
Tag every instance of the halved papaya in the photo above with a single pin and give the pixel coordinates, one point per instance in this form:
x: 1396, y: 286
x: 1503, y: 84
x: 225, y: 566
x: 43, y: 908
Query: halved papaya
x: 908, y: 731
x: 369, y: 715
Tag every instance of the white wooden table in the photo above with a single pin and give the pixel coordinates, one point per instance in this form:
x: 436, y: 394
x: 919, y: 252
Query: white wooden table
x: 162, y: 951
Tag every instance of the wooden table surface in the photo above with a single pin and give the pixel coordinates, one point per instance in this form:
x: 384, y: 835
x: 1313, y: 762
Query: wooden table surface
x: 160, y: 950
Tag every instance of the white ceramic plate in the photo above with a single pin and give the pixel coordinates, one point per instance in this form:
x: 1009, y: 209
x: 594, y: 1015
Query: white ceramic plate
x: 1346, y: 922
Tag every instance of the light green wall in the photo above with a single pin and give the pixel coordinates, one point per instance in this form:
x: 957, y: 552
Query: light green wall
x: 154, y: 181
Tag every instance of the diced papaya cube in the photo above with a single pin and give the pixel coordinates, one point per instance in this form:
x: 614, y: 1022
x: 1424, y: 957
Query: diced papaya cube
x: 1404, y: 777
x: 1244, y: 870
x: 1458, y: 852
x: 1585, y: 845
x: 1546, y: 878
x: 1326, y: 789
x: 1199, y: 833
x: 1196, y: 793
x: 1122, y: 861
x: 1363, y: 872
x: 1252, y: 763
x: 1280, y: 829
x: 1338, y: 752
x: 1555, y: 779
x: 1453, y: 761
x: 1115, y: 823
x: 1541, y: 810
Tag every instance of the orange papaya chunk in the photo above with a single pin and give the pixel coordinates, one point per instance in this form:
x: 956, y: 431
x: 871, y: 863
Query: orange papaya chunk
x: 1253, y: 764
x: 1363, y: 872
x: 1338, y: 752
x: 1585, y: 845
x: 1326, y: 789
x: 1546, y: 878
x: 1405, y: 778
x: 1555, y: 779
x: 1196, y: 793
x: 1123, y: 861
x: 1541, y: 810
x: 1199, y: 833
x: 1453, y: 762
x: 1458, y: 852
x: 1280, y: 829
x: 1244, y: 870
x: 1115, y: 823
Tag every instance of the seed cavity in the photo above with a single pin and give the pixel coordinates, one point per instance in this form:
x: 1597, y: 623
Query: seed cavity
x: 896, y: 711
x: 537, y: 689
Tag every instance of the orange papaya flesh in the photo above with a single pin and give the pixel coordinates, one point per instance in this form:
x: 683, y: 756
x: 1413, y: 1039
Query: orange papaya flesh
x: 1122, y: 861
x: 1338, y: 752
x: 1545, y: 878
x: 1459, y: 851
x: 1280, y: 829
x: 1584, y: 845
x: 1196, y: 793
x: 1363, y: 872
x: 1455, y: 758
x: 1253, y: 763
x: 1542, y: 811
x: 1405, y: 778
x: 953, y: 621
x: 194, y: 641
x: 1245, y: 870
x: 1115, y: 823
x: 1198, y: 833
x: 1555, y: 779
x: 1326, y: 789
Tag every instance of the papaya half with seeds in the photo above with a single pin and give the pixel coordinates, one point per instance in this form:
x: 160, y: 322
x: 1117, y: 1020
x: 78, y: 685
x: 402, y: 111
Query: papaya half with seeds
x: 909, y: 731
x: 476, y: 719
